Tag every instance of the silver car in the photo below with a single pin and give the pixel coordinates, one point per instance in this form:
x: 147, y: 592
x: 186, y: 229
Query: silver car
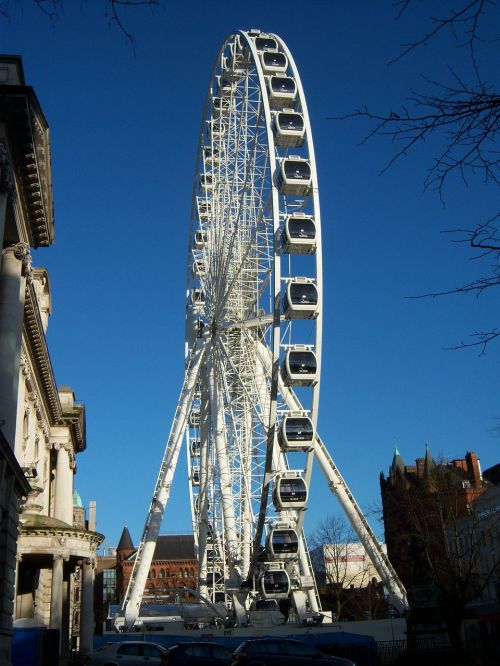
x: 128, y: 653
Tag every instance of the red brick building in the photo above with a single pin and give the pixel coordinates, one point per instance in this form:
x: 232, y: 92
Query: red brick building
x: 418, y: 502
x: 174, y: 567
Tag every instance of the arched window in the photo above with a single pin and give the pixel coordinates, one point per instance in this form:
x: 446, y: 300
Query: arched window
x: 153, y: 573
x: 162, y: 573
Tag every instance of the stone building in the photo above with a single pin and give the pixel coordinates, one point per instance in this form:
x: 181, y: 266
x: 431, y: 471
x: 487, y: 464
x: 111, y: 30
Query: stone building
x: 43, y: 427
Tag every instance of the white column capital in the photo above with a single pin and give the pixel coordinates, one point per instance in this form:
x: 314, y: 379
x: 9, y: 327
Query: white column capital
x: 21, y: 251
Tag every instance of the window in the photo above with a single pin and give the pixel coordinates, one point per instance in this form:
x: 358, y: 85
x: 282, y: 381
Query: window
x: 219, y: 652
x: 299, y: 649
x: 130, y: 649
x: 200, y: 651
x: 152, y: 651
x: 153, y: 573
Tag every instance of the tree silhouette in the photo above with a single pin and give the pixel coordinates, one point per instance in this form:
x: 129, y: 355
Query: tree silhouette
x: 460, y: 119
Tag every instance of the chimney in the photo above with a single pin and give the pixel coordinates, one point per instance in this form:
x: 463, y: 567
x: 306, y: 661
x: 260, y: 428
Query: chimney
x: 473, y: 468
x: 92, y: 516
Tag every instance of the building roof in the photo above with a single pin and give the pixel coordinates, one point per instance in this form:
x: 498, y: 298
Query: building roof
x: 125, y: 542
x: 77, y: 500
x: 175, y: 547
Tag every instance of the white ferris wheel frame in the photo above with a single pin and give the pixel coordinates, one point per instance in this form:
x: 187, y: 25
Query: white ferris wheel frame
x: 239, y: 559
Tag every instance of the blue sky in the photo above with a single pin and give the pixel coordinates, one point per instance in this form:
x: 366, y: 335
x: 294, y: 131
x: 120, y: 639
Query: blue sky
x: 124, y: 128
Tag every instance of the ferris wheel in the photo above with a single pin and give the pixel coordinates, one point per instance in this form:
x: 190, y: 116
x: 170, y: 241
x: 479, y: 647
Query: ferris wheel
x: 254, y: 304
x: 248, y: 408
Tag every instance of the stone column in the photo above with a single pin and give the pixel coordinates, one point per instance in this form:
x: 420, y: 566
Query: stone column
x: 56, y: 595
x: 87, y: 608
x: 15, y: 269
x: 63, y: 508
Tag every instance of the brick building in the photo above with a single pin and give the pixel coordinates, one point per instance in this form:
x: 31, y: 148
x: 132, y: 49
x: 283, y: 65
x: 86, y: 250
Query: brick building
x: 173, y: 568
x: 418, y: 500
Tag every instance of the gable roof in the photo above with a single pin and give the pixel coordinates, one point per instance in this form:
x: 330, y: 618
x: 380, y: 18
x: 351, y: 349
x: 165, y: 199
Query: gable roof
x: 175, y: 547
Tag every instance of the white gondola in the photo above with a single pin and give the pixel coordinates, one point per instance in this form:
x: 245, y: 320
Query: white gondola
x: 273, y: 62
x: 195, y: 448
x: 235, y: 68
x: 299, y: 234
x: 282, y: 543
x: 281, y: 92
x: 197, y: 298
x: 224, y: 88
x: 217, y: 129
x: 206, y: 182
x: 204, y: 209
x: 211, y: 155
x: 195, y: 477
x: 289, y: 491
x: 300, y: 366
x: 301, y: 300
x: 289, y: 129
x: 198, y: 268
x: 220, y: 106
x: 296, y: 432
x: 274, y: 584
x: 194, y: 419
x: 265, y: 43
x: 200, y: 239
x: 294, y: 176
x: 200, y: 327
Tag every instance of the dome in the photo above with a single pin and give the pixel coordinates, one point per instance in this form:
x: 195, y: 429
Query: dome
x: 77, y: 500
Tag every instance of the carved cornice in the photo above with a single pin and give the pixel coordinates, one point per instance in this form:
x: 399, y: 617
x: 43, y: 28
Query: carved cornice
x: 39, y: 353
x: 29, y: 144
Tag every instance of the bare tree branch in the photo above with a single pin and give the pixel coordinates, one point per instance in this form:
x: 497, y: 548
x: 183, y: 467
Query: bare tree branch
x: 113, y: 9
x: 460, y: 121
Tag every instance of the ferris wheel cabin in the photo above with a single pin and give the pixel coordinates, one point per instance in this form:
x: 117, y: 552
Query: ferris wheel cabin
x: 200, y: 239
x: 301, y: 299
x: 274, y: 584
x: 204, y: 206
x: 273, y: 62
x: 211, y: 155
x: 195, y: 419
x: 299, y: 234
x: 300, y: 366
x: 282, y: 543
x: 289, y: 491
x: 296, y: 433
x: 220, y: 106
x: 294, y: 176
x: 282, y: 91
x: 195, y: 477
x: 199, y: 269
x: 206, y: 182
x: 289, y: 129
x: 266, y: 44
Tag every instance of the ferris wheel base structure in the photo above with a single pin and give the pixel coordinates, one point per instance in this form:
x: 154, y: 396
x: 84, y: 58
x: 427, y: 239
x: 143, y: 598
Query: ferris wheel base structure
x: 248, y: 409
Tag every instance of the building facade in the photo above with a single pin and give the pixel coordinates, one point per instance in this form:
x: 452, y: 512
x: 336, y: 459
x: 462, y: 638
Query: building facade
x: 42, y: 425
x: 173, y: 571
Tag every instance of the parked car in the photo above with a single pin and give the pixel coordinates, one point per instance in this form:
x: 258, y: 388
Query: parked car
x: 128, y: 653
x: 283, y: 652
x: 199, y: 653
